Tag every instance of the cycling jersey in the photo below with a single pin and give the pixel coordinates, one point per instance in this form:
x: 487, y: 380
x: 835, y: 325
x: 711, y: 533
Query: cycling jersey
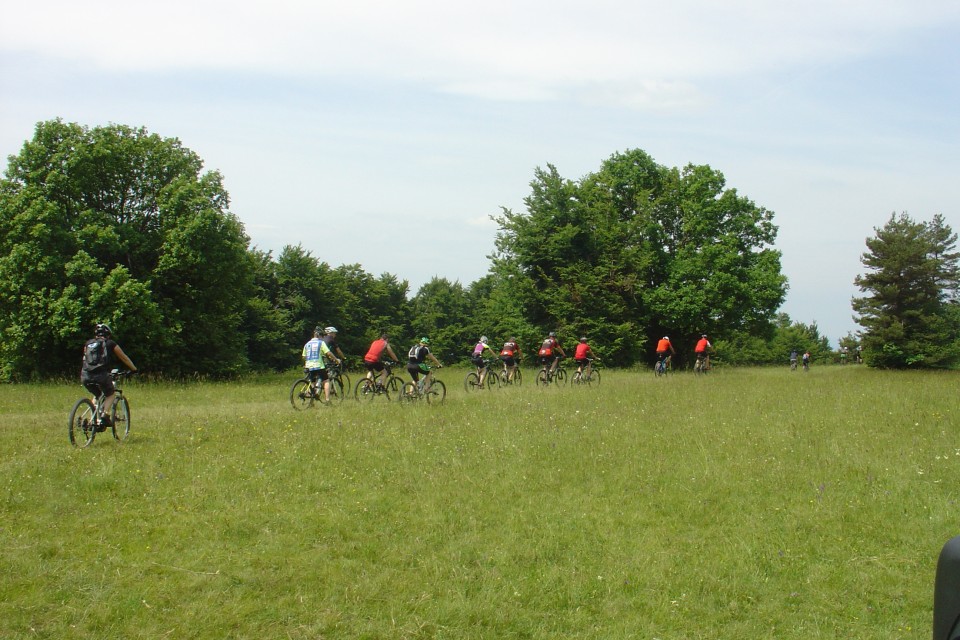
x: 376, y: 350
x: 546, y: 349
x: 663, y: 346
x: 702, y: 345
x: 509, y: 349
x: 314, y: 353
x: 583, y: 349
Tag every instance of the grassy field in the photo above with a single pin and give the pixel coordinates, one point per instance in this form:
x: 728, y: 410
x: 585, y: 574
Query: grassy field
x: 752, y: 503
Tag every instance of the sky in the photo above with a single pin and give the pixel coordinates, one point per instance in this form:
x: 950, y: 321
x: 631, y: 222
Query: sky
x: 389, y: 134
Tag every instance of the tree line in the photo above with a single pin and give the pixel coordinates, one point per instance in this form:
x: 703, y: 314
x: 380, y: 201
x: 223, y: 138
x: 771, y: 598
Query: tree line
x: 115, y: 224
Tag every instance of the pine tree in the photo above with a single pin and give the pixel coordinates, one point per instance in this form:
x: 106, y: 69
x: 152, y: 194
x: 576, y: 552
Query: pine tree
x: 909, y: 315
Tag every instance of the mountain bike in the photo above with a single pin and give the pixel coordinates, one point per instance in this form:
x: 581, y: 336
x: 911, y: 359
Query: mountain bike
x: 592, y: 376
x: 505, y: 378
x: 429, y: 389
x: 702, y: 365
x: 490, y: 380
x: 545, y: 377
x: 308, y: 389
x: 663, y: 366
x: 87, y: 419
x: 367, y: 389
x: 339, y: 372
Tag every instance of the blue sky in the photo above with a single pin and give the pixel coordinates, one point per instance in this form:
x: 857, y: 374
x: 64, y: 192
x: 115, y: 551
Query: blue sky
x: 387, y: 134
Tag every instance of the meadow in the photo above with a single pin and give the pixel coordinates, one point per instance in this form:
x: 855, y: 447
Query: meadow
x: 750, y: 503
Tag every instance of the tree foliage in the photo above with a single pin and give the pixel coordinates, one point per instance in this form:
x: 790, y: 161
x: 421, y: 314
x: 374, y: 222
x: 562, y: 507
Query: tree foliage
x: 115, y: 224
x: 637, y: 250
x: 909, y: 314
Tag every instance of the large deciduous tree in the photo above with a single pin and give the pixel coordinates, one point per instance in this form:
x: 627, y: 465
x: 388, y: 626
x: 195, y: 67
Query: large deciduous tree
x: 118, y: 225
x: 909, y: 314
x: 638, y: 250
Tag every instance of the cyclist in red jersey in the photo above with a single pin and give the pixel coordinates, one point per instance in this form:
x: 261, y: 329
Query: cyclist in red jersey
x: 703, y: 345
x: 664, y: 346
x: 582, y: 357
x: 547, y: 355
x: 510, y: 354
x: 373, y: 361
x: 702, y: 351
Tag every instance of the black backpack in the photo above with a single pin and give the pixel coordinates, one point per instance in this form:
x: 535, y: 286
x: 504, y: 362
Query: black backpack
x: 95, y: 354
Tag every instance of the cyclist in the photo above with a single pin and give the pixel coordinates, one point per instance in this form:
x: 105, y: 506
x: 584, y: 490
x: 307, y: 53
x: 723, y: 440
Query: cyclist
x: 373, y: 361
x: 510, y: 354
x: 806, y: 360
x: 663, y: 347
x: 702, y: 351
x: 547, y: 355
x: 793, y: 360
x: 417, y: 362
x: 582, y: 356
x: 477, y: 358
x: 315, y: 353
x: 100, y: 355
x: 330, y: 337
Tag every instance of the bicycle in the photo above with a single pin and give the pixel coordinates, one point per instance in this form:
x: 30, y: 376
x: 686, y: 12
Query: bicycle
x: 339, y: 373
x: 430, y: 389
x: 702, y: 365
x: 86, y: 419
x: 369, y: 388
x: 307, y: 390
x: 663, y: 366
x: 490, y: 380
x: 505, y: 378
x: 545, y: 377
x: 593, y: 375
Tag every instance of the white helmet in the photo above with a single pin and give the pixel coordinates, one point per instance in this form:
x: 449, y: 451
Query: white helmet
x: 483, y: 338
x: 331, y: 330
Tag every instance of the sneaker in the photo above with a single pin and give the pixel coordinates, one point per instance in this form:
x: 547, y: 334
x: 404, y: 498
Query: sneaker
x: 104, y: 424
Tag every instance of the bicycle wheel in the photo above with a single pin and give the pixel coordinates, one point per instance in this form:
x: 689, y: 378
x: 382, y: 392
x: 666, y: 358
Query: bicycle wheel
x: 492, y: 381
x: 543, y: 378
x: 560, y: 376
x: 408, y: 393
x: 121, y: 418
x: 394, y: 387
x: 345, y: 383
x: 576, y: 378
x: 594, y: 377
x: 436, y: 393
x: 517, y: 377
x: 301, y: 396
x: 337, y: 390
x: 471, y: 381
x: 366, y: 389
x: 82, y: 432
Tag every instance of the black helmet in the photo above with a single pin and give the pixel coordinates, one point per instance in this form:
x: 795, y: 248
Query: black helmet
x: 102, y: 330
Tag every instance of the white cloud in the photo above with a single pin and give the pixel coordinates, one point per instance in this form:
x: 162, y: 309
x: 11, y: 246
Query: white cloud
x: 640, y: 55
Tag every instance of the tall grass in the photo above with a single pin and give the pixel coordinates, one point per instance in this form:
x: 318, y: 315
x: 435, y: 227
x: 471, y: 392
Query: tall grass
x: 747, y: 504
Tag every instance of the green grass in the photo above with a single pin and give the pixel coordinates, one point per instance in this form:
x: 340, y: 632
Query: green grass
x: 748, y: 504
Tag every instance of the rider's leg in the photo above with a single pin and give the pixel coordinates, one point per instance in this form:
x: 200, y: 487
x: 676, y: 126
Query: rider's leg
x: 108, y: 403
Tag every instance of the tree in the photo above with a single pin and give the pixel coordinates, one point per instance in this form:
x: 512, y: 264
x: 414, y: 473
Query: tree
x: 118, y: 225
x: 440, y: 311
x: 909, y: 315
x: 637, y: 250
